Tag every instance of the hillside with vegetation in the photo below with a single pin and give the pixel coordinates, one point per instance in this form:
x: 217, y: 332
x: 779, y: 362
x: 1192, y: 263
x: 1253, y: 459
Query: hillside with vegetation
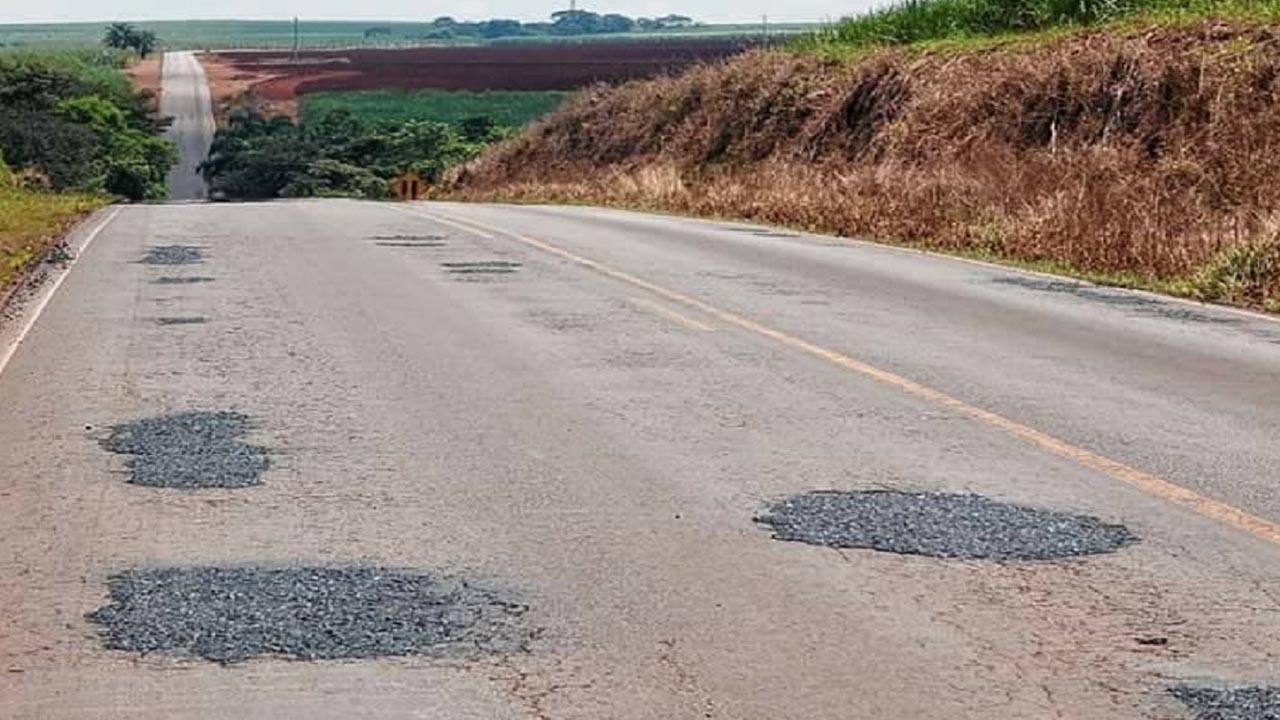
x: 1132, y: 142
x: 74, y: 134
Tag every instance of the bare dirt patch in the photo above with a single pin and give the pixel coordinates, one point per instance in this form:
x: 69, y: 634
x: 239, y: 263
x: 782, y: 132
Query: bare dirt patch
x: 146, y: 77
x: 271, y: 81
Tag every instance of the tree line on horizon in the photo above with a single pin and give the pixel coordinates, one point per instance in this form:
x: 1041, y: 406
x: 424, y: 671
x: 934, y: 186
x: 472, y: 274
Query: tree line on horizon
x: 564, y: 23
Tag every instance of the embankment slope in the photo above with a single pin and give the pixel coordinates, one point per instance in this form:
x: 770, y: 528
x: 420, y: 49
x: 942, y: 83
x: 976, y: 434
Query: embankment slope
x: 1144, y: 156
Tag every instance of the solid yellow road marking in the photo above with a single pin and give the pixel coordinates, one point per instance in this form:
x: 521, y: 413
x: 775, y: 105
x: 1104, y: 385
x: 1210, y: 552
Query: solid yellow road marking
x: 1151, y: 484
x: 672, y: 315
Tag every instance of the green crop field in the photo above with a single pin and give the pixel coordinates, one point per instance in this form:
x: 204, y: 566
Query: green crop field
x: 268, y: 34
x: 505, y: 108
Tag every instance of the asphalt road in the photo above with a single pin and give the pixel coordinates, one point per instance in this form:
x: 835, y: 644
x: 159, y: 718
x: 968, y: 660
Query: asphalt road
x: 185, y: 97
x: 596, y: 431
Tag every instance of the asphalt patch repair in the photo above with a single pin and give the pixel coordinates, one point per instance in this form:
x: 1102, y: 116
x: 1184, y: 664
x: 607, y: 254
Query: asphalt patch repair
x: 941, y: 525
x: 194, y: 320
x: 232, y: 614
x: 189, y: 450
x: 169, y: 280
x: 1238, y: 703
x: 497, y: 267
x: 173, y: 255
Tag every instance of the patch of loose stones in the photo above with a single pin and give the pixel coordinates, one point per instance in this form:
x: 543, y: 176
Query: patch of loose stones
x: 178, y: 280
x: 307, y: 613
x: 189, y: 450
x: 173, y: 255
x: 1237, y: 703
x: 491, y: 267
x: 940, y: 525
x: 192, y: 320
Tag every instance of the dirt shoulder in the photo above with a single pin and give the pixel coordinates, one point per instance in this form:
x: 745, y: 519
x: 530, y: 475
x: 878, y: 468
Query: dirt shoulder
x: 146, y: 76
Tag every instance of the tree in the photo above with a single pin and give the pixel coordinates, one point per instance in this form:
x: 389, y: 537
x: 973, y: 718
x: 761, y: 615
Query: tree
x: 119, y: 36
x: 499, y: 28
x: 614, y: 23
x: 123, y: 36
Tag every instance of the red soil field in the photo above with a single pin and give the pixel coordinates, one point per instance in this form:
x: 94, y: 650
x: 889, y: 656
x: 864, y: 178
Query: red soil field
x: 274, y: 76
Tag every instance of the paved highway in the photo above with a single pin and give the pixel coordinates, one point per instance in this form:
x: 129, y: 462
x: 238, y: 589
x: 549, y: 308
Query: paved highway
x: 601, y: 435
x: 185, y: 97
x: 597, y: 428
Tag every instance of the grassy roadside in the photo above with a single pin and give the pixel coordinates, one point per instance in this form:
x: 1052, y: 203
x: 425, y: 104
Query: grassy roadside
x: 1232, y: 281
x: 31, y: 222
x: 1131, y: 155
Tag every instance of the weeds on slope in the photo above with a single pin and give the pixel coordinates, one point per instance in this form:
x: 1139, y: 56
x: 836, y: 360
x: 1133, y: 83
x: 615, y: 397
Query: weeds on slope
x: 1146, y: 157
x: 926, y: 21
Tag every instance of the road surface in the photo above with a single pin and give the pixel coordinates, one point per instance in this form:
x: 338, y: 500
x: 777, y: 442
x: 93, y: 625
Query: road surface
x: 597, y: 430
x: 185, y: 98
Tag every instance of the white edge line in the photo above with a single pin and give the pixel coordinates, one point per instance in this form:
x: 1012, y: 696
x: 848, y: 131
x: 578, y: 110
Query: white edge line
x: 33, y: 314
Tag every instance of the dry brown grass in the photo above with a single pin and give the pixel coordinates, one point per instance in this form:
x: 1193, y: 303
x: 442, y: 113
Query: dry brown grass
x: 1150, y: 154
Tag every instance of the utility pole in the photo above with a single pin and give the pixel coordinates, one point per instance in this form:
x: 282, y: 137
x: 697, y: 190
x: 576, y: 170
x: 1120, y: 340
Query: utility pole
x: 764, y: 28
x: 296, y: 39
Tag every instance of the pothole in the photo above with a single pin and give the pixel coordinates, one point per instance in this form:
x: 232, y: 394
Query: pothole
x: 1239, y: 703
x: 189, y: 450
x: 409, y: 238
x: 942, y: 525
x: 173, y: 255
x: 195, y: 320
x: 230, y: 614
x: 169, y: 280
x: 497, y: 267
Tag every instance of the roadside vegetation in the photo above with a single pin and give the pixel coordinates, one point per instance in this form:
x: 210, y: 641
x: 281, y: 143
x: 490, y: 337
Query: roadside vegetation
x: 337, y: 155
x: 923, y: 21
x: 74, y: 134
x: 30, y: 220
x: 502, y: 108
x: 1137, y: 146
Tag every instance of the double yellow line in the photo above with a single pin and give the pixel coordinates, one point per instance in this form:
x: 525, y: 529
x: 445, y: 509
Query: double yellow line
x: 1146, y: 482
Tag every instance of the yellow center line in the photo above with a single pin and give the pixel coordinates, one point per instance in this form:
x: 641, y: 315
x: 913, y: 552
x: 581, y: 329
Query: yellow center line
x: 1152, y: 484
x: 672, y: 315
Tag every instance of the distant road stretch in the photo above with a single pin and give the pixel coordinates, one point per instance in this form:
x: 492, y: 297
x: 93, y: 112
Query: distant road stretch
x: 185, y: 98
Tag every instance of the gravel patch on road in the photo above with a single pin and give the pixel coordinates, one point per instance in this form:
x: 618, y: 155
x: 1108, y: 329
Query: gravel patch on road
x: 173, y: 255
x: 482, y: 267
x: 307, y: 613
x: 1241, y: 703
x: 961, y: 526
x: 181, y: 280
x: 189, y: 450
x: 197, y: 320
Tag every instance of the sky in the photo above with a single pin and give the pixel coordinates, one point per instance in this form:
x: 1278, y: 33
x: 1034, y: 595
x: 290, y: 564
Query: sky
x: 704, y: 10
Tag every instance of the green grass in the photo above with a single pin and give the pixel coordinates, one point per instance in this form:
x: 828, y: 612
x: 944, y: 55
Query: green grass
x: 31, y: 221
x: 975, y: 22
x: 505, y: 108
